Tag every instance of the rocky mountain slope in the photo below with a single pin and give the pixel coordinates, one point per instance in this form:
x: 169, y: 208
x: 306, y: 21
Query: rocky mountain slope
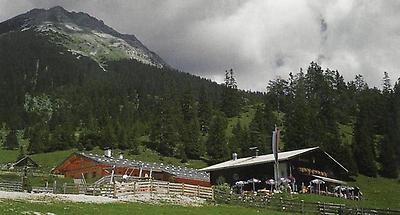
x: 83, y: 35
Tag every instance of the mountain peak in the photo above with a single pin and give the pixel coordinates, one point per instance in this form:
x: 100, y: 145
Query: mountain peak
x: 83, y: 35
x: 58, y: 9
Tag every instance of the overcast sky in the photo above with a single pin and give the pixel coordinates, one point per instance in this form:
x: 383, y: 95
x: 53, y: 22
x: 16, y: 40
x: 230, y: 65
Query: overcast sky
x: 259, y: 39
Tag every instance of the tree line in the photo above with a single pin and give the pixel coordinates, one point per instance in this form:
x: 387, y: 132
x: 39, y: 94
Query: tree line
x: 58, y: 102
x: 355, y: 123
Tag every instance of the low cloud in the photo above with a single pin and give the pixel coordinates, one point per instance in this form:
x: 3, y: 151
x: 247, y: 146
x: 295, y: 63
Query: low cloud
x: 259, y: 39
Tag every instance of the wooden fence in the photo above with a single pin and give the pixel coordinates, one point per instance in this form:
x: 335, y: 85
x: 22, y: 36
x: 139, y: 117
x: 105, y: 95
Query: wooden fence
x: 10, y: 186
x: 31, y: 172
x: 296, y: 206
x: 148, y: 186
x: 162, y: 187
x: 118, y: 189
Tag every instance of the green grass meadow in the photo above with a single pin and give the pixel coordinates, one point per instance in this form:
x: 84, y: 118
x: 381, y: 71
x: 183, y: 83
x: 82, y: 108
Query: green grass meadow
x: 8, y: 207
x: 377, y: 193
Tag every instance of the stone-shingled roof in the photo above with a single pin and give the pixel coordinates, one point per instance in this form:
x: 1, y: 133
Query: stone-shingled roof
x: 180, y: 172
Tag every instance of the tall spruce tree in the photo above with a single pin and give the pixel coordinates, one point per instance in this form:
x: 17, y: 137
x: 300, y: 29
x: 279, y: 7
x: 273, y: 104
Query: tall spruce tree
x: 364, y: 151
x: 217, y: 147
x: 240, y: 141
x: 298, y: 118
x: 261, y: 127
x: 231, y: 101
x: 190, y: 133
x: 11, y: 140
x: 38, y: 139
x: 396, y: 113
x: 205, y: 110
x: 388, y: 160
x: 167, y: 123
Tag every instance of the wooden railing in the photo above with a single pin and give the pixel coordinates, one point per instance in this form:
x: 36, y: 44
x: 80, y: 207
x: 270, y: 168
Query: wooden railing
x: 10, y: 186
x: 116, y: 190
x: 145, y: 186
x: 162, y: 187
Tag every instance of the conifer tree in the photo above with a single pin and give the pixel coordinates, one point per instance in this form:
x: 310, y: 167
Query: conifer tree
x: 11, y: 140
x: 165, y: 136
x: 236, y: 142
x: 21, y: 153
x: 190, y: 133
x: 231, y: 102
x: 109, y: 136
x: 38, y: 138
x: 364, y: 152
x: 391, y: 136
x: 297, y: 122
x: 217, y: 147
x: 205, y: 110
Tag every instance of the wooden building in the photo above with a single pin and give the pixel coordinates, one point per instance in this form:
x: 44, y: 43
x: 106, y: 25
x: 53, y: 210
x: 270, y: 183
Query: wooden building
x: 25, y: 161
x: 80, y: 164
x: 301, y: 165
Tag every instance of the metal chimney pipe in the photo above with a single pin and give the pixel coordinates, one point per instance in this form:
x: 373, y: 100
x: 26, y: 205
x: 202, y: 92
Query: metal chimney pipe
x: 234, y: 156
x: 107, y: 152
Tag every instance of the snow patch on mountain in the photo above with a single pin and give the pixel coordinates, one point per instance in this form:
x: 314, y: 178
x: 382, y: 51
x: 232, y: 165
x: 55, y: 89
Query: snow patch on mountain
x: 99, y: 46
x: 73, y: 28
x: 84, y: 34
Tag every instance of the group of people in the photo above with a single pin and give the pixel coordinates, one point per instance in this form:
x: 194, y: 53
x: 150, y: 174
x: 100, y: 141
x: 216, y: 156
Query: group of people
x: 288, y: 184
x: 346, y: 192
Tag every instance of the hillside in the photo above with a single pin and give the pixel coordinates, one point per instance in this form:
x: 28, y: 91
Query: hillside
x: 70, y: 81
x: 82, y: 35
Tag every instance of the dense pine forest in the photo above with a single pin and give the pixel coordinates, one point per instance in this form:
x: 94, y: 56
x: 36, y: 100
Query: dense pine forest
x: 56, y: 101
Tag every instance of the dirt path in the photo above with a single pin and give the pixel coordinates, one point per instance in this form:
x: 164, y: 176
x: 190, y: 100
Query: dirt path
x: 145, y: 198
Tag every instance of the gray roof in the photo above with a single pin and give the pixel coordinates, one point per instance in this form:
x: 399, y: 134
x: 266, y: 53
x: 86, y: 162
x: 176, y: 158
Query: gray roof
x: 331, y: 180
x: 248, y: 161
x: 178, y: 171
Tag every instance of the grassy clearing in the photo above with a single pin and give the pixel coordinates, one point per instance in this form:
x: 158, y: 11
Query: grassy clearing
x: 244, y: 118
x: 378, y: 193
x: 8, y: 155
x: 18, y: 207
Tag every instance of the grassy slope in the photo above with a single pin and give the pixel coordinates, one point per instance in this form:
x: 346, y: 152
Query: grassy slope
x: 18, y: 207
x: 378, y: 193
x: 244, y: 118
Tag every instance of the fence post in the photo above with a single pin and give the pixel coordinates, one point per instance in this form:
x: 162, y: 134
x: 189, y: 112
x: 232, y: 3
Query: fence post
x: 55, y: 187
x: 115, y: 190
x: 213, y: 193
x: 134, y: 187
x: 167, y: 187
x: 65, y: 187
x: 198, y: 191
x: 151, y: 187
x: 183, y: 189
x: 302, y: 206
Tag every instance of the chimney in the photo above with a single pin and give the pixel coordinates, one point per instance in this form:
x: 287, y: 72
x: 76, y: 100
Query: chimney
x: 107, y: 152
x: 255, y: 149
x: 121, y: 155
x: 234, y: 156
